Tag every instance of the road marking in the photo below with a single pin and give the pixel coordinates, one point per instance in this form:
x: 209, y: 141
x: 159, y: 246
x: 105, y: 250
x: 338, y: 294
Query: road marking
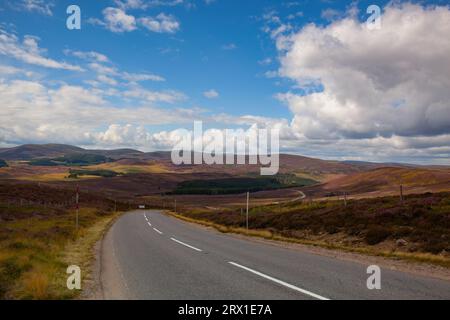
x: 149, y: 224
x: 290, y: 286
x: 185, y: 244
x: 157, y: 231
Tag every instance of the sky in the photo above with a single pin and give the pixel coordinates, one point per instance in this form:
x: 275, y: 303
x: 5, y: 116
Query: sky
x: 138, y: 71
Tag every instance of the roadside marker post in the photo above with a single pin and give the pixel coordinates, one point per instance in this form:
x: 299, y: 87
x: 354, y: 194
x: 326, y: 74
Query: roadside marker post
x: 401, y: 194
x: 77, y: 207
x: 248, y: 196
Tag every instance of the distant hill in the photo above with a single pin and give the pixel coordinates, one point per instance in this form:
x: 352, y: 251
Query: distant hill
x: 305, y: 167
x: 387, y: 180
x: 34, y: 151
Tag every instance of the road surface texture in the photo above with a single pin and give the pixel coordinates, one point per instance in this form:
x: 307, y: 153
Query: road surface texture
x: 148, y: 255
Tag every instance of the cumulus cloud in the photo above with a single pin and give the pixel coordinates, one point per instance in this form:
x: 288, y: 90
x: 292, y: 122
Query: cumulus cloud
x: 387, y: 86
x: 74, y: 114
x: 162, y: 23
x: 28, y: 51
x: 117, y: 20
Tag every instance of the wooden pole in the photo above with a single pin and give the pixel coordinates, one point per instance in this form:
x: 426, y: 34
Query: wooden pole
x: 248, y: 196
x: 401, y: 194
x: 77, y: 207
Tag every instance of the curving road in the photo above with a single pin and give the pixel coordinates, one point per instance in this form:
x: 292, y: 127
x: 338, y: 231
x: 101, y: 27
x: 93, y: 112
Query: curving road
x: 148, y: 255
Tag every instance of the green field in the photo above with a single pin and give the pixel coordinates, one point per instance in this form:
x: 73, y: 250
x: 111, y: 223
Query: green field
x: 75, y: 173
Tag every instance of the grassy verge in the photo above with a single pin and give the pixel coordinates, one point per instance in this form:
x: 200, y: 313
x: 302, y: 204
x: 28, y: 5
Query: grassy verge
x: 370, y: 227
x: 39, y: 241
x: 35, y: 253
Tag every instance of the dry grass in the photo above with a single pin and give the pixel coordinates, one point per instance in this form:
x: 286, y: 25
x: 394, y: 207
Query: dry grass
x: 38, y: 243
x: 36, y: 285
x: 127, y: 169
x: 52, y: 177
x: 80, y: 252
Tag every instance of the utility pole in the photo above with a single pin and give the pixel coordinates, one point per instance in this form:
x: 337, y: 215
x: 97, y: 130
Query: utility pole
x: 77, y: 207
x: 248, y: 196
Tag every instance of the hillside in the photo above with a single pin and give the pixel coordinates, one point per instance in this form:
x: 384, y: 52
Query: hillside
x: 36, y: 151
x: 135, y: 173
x: 387, y: 181
x: 32, y: 151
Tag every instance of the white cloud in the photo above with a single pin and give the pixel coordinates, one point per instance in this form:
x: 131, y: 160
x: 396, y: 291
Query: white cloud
x: 383, y: 88
x: 73, y: 114
x: 113, y: 72
x: 107, y: 80
x: 137, y: 77
x: 145, y: 4
x: 28, y: 51
x: 117, y: 20
x: 10, y: 71
x: 169, y: 96
x: 211, y: 94
x: 330, y: 14
x: 102, y: 69
x: 162, y: 23
x: 88, y: 55
x: 39, y: 6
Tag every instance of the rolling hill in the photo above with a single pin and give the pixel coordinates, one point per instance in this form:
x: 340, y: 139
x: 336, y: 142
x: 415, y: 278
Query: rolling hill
x: 36, y: 151
x: 140, y: 174
x: 386, y: 181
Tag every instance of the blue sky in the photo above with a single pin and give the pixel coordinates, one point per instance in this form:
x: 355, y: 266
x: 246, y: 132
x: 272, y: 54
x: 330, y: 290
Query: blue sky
x: 221, y: 61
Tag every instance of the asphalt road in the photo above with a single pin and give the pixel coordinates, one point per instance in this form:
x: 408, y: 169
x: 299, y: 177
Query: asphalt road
x: 148, y: 255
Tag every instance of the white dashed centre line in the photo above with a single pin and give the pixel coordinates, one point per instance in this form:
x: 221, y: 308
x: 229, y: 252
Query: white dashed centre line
x: 157, y: 231
x: 186, y: 245
x: 290, y: 286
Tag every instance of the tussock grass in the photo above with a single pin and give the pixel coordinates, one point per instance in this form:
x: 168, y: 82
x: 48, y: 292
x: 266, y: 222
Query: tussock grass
x: 36, y: 249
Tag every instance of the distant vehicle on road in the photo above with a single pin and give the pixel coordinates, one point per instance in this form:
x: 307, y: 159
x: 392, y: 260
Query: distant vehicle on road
x: 142, y: 206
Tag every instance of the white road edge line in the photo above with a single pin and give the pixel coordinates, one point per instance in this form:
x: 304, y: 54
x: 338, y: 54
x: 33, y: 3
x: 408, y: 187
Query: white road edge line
x: 185, y: 244
x: 290, y: 286
x: 157, y: 231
